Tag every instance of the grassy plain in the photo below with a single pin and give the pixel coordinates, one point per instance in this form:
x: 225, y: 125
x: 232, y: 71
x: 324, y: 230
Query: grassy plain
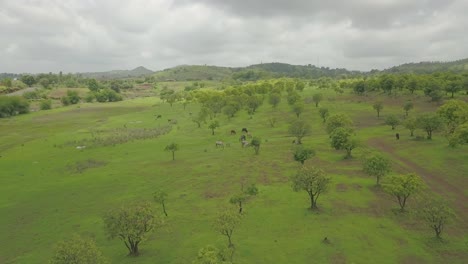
x: 49, y: 189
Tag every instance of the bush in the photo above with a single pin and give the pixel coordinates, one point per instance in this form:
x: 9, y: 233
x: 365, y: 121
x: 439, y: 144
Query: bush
x: 89, y: 98
x: 65, y: 100
x: 46, y: 105
x: 13, y: 105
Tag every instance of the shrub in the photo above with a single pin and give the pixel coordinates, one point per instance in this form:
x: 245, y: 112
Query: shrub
x: 46, y: 105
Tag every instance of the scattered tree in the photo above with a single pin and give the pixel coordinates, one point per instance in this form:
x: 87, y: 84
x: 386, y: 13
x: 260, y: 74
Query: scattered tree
x: 225, y: 224
x: 411, y: 124
x: 429, y: 123
x: 160, y: 196
x: 342, y: 139
x: 46, y: 104
x: 240, y: 198
x: 131, y: 224
x: 323, y: 112
x: 407, y: 107
x: 274, y: 99
x: 29, y: 80
x: 77, y: 250
x: 299, y: 129
x: 255, y: 143
x: 213, y: 125
x: 173, y: 147
x: 377, y: 166
x: 301, y: 154
x: 212, y: 255
x: 336, y: 121
x: 403, y: 186
x: 436, y: 212
x: 298, y: 108
x: 378, y: 106
x: 392, y: 120
x: 317, y: 98
x: 313, y: 181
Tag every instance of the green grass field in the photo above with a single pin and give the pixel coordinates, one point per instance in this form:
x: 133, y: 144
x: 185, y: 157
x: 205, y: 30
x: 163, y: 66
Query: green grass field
x: 50, y: 190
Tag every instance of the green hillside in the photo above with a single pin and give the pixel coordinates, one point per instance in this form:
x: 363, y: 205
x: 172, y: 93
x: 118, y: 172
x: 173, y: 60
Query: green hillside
x: 457, y: 66
x: 118, y: 74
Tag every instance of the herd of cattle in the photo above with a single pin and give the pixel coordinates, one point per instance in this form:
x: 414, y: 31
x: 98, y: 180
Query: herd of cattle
x: 243, y: 139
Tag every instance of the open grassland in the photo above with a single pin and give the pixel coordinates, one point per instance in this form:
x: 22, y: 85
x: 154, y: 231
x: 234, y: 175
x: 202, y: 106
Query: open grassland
x: 49, y: 189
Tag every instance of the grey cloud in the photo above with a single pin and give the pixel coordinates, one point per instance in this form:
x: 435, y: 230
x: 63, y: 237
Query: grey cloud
x: 95, y: 35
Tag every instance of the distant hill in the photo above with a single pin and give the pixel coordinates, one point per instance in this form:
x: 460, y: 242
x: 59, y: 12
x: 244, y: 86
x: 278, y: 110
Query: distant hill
x: 430, y: 67
x: 118, y: 74
x: 193, y: 72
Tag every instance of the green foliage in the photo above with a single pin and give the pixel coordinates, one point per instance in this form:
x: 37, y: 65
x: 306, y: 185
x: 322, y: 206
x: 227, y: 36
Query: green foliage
x: 403, y: 186
x: 299, y: 129
x: 46, y: 104
x: 429, y: 123
x: 242, y: 197
x: 317, y: 98
x: 93, y: 85
x: 453, y: 113
x: 407, y: 107
x: 293, y: 97
x: 131, y: 224
x: 255, y: 143
x: 77, y: 250
x: 301, y: 154
x: 274, y: 99
x: 298, y: 108
x: 378, y: 106
x: 359, y: 87
x: 459, y: 136
x: 29, y: 80
x: 393, y: 121
x: 107, y: 95
x: 13, y: 105
x: 213, y: 125
x: 173, y: 147
x: 342, y: 139
x: 73, y: 97
x: 411, y: 124
x: 160, y: 196
x: 212, y: 255
x: 377, y: 166
x: 436, y: 212
x: 336, y: 121
x: 324, y: 113
x: 226, y: 222
x: 313, y: 181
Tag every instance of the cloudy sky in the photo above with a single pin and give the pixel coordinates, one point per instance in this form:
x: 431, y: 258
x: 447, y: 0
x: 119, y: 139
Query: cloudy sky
x: 100, y: 35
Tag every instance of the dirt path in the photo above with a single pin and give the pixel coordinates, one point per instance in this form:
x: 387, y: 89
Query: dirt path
x: 433, y: 179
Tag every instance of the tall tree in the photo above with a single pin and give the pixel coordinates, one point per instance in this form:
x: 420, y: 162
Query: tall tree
x: 378, y: 106
x: 173, y: 147
x: 403, y: 186
x: 407, y: 107
x: 336, y: 121
x: 299, y: 129
x: 313, y: 181
x: 131, y: 224
x: 377, y: 166
x: 324, y: 113
x: 411, y: 124
x: 436, y: 212
x: 226, y: 222
x: 342, y: 139
x: 429, y: 123
x: 393, y: 121
x: 213, y: 125
x: 317, y: 98
x: 274, y: 99
x: 298, y: 108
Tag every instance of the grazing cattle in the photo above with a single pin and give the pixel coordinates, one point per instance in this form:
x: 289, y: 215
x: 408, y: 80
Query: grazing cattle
x: 249, y: 135
x: 233, y: 132
x: 397, y: 135
x: 245, y: 130
x: 219, y: 143
x: 245, y: 143
x: 242, y: 138
x: 158, y: 116
x: 169, y: 120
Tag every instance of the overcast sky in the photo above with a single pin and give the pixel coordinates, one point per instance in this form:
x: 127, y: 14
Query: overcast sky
x: 101, y: 35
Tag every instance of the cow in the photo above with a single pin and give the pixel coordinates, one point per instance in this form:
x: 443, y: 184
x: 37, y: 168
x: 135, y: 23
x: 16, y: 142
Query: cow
x: 233, y: 132
x: 249, y: 135
x: 244, y: 130
x: 219, y: 143
x: 245, y: 143
x: 242, y: 138
x: 158, y: 116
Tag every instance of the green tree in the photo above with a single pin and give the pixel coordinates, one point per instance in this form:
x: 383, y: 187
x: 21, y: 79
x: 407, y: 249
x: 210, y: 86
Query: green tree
x: 131, y: 224
x: 7, y: 82
x: 393, y: 121
x: 436, y: 212
x: 343, y: 139
x: 459, y: 136
x: 378, y: 106
x: 299, y: 129
x: 313, y: 181
x: 93, y: 85
x: 173, y: 147
x: 298, y: 108
x: 274, y: 99
x: 324, y: 113
x: 293, y: 97
x: 300, y: 85
x: 77, y: 250
x: 453, y: 113
x: 377, y: 166
x: 73, y: 97
x: 411, y: 124
x: 407, y: 107
x: 46, y: 104
x: 29, y: 80
x: 336, y: 121
x: 301, y: 154
x: 160, y: 196
x: 317, y: 98
x: 226, y: 222
x: 255, y: 143
x: 212, y: 255
x: 429, y: 123
x: 44, y: 82
x: 242, y: 197
x: 453, y: 86
x: 213, y: 125
x: 403, y: 186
